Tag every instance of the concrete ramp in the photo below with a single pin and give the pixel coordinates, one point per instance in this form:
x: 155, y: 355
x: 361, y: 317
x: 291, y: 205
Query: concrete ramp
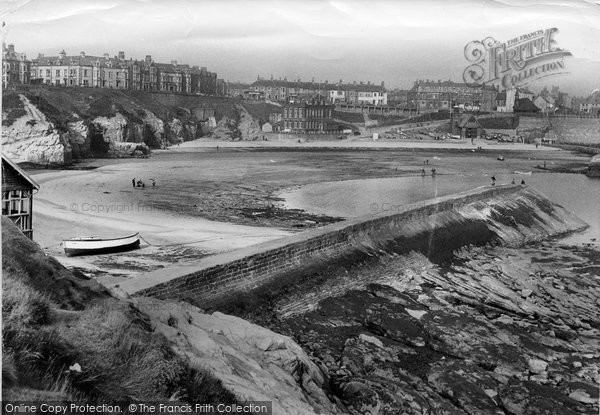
x: 508, y: 215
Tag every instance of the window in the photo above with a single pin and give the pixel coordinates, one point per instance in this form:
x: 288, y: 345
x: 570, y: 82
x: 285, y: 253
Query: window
x: 47, y: 72
x: 58, y: 72
x: 85, y: 72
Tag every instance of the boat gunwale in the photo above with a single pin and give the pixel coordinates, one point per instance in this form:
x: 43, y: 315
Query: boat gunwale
x: 101, y: 239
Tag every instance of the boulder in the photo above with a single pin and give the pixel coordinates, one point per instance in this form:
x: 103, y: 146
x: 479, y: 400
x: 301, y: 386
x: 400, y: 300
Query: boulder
x: 253, y: 362
x: 594, y: 166
x: 537, y: 366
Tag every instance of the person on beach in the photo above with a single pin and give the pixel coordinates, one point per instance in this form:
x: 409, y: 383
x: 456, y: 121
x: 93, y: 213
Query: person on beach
x: 433, y: 172
x: 133, y: 182
x: 153, y: 182
x: 522, y: 181
x: 422, y: 172
x: 513, y: 181
x: 493, y: 181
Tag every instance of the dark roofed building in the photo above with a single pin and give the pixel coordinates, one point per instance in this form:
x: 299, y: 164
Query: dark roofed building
x: 314, y: 116
x: 17, y: 196
x: 525, y: 105
x: 469, y: 126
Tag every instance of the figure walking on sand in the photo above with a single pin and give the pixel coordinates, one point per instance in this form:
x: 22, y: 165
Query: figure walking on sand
x: 493, y: 181
x: 133, y: 182
x: 422, y: 172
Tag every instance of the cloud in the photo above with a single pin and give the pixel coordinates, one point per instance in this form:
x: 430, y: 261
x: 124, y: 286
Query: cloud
x: 394, y: 41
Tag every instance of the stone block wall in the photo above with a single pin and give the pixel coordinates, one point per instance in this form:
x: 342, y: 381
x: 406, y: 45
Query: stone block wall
x: 221, y: 275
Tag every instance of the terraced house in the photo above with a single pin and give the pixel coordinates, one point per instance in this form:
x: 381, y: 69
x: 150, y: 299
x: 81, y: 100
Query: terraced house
x: 119, y: 73
x: 297, y: 91
x: 427, y: 95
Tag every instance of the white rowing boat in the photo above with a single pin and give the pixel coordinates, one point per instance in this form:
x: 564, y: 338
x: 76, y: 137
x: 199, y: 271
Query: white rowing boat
x: 96, y: 245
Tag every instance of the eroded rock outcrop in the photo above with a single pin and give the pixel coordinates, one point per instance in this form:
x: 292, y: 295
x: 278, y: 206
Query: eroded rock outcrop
x: 117, y: 136
x: 44, y: 126
x: 32, y: 138
x: 594, y: 167
x: 251, y: 361
x: 496, y: 331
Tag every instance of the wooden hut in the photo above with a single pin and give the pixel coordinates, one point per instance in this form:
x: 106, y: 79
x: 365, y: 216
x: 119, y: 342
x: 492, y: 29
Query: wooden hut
x: 469, y: 126
x: 17, y: 196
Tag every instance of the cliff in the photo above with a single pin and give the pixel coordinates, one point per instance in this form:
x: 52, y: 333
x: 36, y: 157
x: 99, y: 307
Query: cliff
x: 53, y: 125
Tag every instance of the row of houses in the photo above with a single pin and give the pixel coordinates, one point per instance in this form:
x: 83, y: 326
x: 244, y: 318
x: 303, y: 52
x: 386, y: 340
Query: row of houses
x: 429, y: 95
x: 108, y: 72
x: 282, y: 90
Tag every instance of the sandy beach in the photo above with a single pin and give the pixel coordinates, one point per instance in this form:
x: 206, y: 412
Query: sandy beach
x: 103, y: 202
x: 363, y: 143
x: 208, y: 200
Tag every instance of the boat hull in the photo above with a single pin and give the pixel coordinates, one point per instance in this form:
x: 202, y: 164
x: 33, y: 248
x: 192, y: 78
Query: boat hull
x: 91, y: 246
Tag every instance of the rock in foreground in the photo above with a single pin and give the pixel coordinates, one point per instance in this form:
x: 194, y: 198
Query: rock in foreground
x: 251, y: 361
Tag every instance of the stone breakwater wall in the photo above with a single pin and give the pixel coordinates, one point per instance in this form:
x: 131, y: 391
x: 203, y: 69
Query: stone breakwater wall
x: 508, y: 214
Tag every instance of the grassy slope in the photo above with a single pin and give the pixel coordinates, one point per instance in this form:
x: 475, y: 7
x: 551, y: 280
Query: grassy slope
x: 261, y: 110
x: 68, y: 104
x: 53, y: 320
x: 12, y: 108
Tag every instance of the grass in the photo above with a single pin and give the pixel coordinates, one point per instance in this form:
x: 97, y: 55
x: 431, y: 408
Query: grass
x: 45, y: 334
x: 261, y: 110
x: 12, y: 107
x: 351, y: 117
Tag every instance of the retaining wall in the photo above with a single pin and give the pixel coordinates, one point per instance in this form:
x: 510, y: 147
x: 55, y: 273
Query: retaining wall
x: 212, y: 278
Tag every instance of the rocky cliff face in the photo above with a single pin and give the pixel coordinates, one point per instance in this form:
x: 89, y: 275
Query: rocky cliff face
x: 47, y: 126
x: 32, y: 138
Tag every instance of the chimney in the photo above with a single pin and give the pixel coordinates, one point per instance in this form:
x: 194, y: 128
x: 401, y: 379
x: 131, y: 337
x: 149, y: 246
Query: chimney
x: 382, y: 84
x: 121, y: 55
x: 62, y: 53
x: 174, y: 62
x: 82, y: 54
x: 11, y: 48
x: 148, y: 59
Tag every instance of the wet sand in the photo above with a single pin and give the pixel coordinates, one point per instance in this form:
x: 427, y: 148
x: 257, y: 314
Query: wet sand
x: 207, y: 200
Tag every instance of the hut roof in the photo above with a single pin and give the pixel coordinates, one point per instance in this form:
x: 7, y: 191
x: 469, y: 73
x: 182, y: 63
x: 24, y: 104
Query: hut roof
x: 14, y: 178
x: 468, y: 121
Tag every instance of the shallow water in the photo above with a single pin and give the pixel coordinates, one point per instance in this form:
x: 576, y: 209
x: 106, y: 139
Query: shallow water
x: 575, y: 192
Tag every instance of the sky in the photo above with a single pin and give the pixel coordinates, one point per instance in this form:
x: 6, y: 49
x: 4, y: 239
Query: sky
x: 395, y: 42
